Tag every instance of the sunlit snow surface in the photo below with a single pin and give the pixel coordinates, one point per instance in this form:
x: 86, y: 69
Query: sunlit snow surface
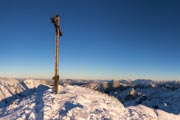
x: 9, y: 87
x: 71, y: 103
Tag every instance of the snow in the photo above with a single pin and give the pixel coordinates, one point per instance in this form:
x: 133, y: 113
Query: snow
x: 164, y: 95
x: 146, y: 113
x: 72, y: 103
x: 31, y: 83
x: 9, y: 87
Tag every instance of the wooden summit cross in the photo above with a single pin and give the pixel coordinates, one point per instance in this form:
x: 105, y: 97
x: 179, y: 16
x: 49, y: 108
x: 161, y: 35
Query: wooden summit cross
x: 56, y: 21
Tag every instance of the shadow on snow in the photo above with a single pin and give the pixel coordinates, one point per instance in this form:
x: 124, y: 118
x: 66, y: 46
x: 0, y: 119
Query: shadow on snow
x: 36, y: 94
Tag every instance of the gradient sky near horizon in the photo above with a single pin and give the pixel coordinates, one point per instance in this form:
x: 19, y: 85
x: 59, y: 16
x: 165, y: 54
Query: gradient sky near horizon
x: 102, y: 39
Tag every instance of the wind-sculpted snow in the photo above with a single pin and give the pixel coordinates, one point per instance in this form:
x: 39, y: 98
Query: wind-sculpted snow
x: 9, y: 87
x: 73, y: 103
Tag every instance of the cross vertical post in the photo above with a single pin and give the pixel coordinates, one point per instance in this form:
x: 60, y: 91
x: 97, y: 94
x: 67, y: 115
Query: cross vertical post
x: 56, y: 21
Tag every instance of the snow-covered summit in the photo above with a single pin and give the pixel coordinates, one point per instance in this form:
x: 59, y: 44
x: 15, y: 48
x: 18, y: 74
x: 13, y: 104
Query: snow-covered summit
x: 73, y: 103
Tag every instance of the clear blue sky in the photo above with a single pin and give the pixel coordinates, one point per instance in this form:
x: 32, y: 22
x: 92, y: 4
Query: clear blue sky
x: 102, y: 39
